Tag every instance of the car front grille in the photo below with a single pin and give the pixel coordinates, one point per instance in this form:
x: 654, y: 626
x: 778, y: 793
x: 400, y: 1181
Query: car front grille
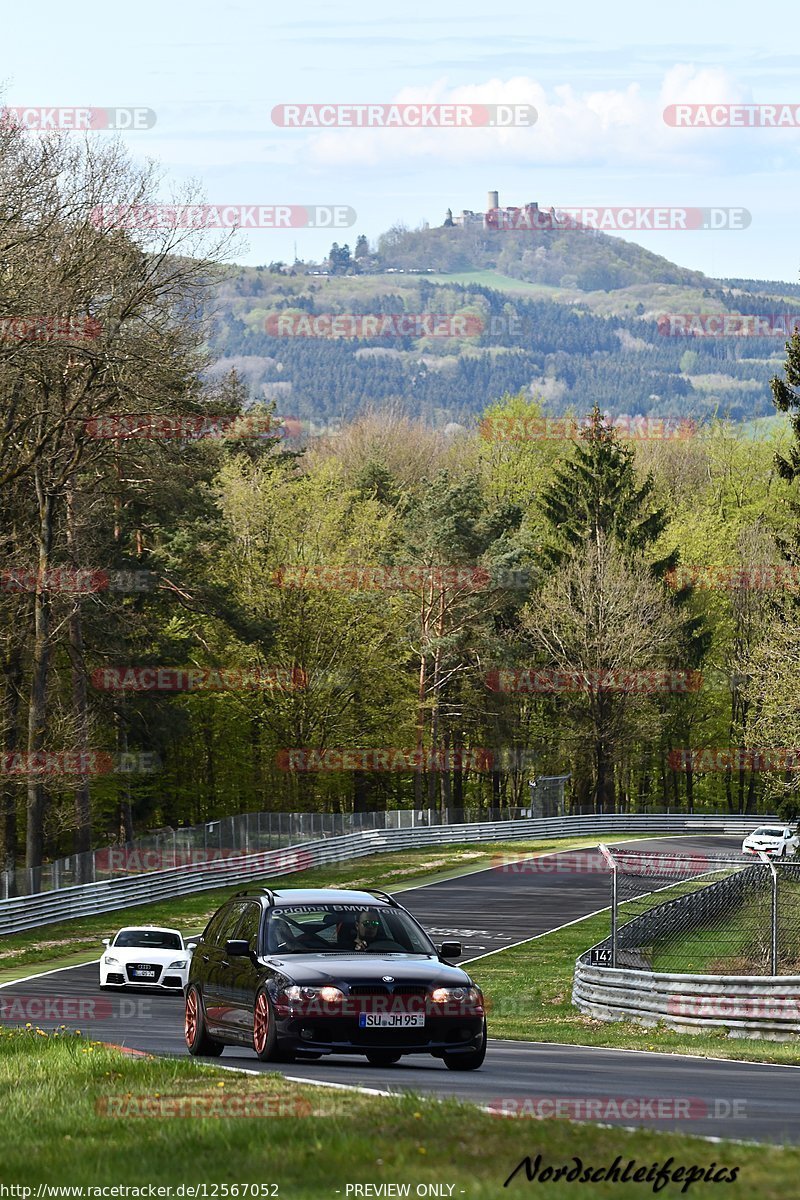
x: 132, y: 968
x: 383, y: 989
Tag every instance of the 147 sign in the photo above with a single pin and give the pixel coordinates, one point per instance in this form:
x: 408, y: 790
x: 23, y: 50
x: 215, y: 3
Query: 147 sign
x: 600, y: 956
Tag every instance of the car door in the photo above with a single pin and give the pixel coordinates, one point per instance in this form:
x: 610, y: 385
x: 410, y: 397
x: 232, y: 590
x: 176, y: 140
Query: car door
x: 215, y: 964
x: 239, y: 981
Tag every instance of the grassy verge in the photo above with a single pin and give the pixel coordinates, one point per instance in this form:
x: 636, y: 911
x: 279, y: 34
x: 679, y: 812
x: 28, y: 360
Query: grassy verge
x: 74, y: 1123
x: 741, y: 943
x: 529, y: 992
x: 78, y: 940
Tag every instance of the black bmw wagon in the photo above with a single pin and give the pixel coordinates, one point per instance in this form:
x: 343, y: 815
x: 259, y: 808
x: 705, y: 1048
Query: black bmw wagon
x: 299, y: 973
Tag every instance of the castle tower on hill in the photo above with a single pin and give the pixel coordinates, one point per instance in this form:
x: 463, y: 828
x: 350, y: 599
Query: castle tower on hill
x: 526, y: 216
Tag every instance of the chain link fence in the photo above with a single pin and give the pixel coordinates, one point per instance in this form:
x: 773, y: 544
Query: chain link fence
x: 704, y: 914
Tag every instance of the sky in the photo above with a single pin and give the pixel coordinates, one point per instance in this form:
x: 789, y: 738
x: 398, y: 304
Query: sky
x: 599, y: 78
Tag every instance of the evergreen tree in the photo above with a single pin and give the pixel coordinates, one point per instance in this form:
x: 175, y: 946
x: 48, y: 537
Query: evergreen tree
x: 597, y: 492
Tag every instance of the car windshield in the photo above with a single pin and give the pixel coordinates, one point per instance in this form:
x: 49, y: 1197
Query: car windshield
x: 765, y: 832
x: 343, y: 928
x: 151, y: 939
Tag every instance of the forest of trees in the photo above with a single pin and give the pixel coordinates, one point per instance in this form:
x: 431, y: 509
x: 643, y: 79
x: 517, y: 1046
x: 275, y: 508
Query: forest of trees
x: 390, y: 617
x: 624, y: 364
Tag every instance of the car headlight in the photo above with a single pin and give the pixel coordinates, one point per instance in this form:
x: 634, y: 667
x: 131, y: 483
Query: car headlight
x: 178, y: 965
x: 110, y: 962
x: 457, y: 995
x: 330, y: 995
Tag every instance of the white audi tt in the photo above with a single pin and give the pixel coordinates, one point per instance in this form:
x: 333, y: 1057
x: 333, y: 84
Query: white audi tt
x: 145, y: 956
x: 778, y: 840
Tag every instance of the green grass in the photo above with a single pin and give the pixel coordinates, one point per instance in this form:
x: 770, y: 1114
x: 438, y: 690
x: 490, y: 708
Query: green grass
x: 77, y: 940
x: 741, y: 944
x: 72, y: 1124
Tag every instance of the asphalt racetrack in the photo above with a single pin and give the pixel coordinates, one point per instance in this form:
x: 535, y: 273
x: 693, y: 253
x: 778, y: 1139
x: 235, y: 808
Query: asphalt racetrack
x: 487, y: 910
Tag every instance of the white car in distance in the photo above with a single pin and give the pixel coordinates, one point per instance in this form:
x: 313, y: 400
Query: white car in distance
x: 146, y: 956
x: 780, y: 841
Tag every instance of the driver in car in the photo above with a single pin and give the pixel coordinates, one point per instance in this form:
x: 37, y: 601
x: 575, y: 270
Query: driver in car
x: 367, y: 927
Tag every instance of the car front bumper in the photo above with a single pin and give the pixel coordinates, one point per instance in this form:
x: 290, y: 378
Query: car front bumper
x: 443, y: 1035
x: 173, y: 981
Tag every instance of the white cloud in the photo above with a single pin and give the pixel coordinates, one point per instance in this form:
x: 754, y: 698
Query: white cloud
x: 619, y: 127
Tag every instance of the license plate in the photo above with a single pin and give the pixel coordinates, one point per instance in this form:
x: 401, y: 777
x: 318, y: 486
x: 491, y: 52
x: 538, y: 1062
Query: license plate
x: 144, y: 974
x: 391, y: 1020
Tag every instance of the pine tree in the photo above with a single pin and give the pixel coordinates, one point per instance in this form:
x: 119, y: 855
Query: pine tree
x: 597, y: 492
x: 596, y: 498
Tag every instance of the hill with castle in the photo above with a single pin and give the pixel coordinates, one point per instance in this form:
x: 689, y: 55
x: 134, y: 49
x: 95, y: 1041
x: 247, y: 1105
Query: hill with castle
x: 568, y: 314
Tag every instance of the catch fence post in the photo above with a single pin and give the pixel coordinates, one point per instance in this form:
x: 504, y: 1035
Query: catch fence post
x: 612, y: 862
x: 774, y: 918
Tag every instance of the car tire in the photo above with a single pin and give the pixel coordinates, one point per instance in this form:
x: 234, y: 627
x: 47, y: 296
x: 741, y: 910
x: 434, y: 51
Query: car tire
x: 383, y: 1058
x: 265, y: 1032
x: 469, y: 1061
x: 198, y: 1041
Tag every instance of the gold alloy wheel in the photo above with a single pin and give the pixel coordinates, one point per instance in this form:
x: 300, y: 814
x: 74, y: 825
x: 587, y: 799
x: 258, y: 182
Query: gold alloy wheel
x: 261, y: 1023
x: 190, y: 1023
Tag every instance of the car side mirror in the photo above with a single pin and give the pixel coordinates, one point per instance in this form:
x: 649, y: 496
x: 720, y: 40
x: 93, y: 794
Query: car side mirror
x: 106, y: 941
x: 237, y: 948
x: 190, y: 946
x: 449, y: 950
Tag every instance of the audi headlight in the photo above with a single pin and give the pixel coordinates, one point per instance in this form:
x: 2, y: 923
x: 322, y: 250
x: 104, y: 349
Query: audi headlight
x: 330, y: 995
x: 178, y: 965
x: 456, y: 995
x: 110, y: 962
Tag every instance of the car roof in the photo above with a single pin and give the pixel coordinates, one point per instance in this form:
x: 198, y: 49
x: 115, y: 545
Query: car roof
x: 287, y: 896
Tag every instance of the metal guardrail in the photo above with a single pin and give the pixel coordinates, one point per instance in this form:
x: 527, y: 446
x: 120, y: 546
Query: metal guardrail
x: 755, y: 1005
x: 232, y: 836
x: 29, y: 912
x: 257, y: 832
